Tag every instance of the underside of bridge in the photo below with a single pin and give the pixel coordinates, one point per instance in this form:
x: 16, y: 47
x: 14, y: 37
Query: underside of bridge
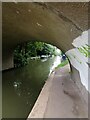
x: 55, y: 23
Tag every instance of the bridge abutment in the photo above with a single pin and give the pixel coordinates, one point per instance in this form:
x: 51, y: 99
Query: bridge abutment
x: 7, y: 60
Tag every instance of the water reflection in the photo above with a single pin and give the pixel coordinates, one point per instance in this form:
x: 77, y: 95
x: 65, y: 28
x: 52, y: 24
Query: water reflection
x: 55, y: 63
x: 17, y: 86
x: 22, y: 86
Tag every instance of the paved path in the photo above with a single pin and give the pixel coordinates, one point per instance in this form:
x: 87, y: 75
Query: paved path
x: 63, y: 99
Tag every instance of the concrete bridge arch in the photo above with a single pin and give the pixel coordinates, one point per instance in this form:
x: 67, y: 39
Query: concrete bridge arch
x: 47, y: 22
x: 55, y: 23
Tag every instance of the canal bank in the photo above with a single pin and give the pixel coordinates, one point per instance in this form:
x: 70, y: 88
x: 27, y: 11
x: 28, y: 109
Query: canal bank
x: 22, y: 86
x: 60, y: 98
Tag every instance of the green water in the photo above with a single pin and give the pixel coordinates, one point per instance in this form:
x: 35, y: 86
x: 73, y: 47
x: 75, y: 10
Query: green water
x: 21, y: 87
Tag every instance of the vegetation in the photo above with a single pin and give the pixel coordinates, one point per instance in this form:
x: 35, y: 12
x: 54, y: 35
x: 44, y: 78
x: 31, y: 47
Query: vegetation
x: 24, y: 52
x: 63, y: 63
x: 85, y: 50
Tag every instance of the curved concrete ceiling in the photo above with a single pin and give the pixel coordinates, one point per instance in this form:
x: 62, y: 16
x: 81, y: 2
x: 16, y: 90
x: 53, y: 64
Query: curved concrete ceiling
x: 55, y: 23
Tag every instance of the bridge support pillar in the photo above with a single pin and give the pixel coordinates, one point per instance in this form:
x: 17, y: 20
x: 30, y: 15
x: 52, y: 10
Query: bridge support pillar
x: 76, y: 77
x: 7, y: 60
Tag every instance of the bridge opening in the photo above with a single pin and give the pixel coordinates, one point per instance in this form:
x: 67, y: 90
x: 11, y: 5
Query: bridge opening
x: 34, y: 62
x: 55, y: 23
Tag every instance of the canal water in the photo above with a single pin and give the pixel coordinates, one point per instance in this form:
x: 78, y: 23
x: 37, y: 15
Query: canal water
x: 21, y: 86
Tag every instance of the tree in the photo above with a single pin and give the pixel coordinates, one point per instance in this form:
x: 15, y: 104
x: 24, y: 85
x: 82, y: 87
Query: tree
x: 31, y: 49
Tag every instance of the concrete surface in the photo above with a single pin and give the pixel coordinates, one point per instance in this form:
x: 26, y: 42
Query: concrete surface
x: 62, y: 100
x: 54, y: 23
x: 41, y: 103
x: 76, y: 78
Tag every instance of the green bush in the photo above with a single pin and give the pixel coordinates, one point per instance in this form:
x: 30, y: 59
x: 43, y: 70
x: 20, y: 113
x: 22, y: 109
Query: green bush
x: 31, y: 49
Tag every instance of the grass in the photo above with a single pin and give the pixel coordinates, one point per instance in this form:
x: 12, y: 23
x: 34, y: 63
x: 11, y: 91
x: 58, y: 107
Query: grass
x: 65, y: 62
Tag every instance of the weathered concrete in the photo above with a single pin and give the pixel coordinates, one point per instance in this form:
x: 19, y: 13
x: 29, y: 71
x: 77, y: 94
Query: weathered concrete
x: 62, y: 100
x: 39, y: 108
x: 76, y: 78
x: 8, y: 59
x: 55, y: 23
x: 65, y: 99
